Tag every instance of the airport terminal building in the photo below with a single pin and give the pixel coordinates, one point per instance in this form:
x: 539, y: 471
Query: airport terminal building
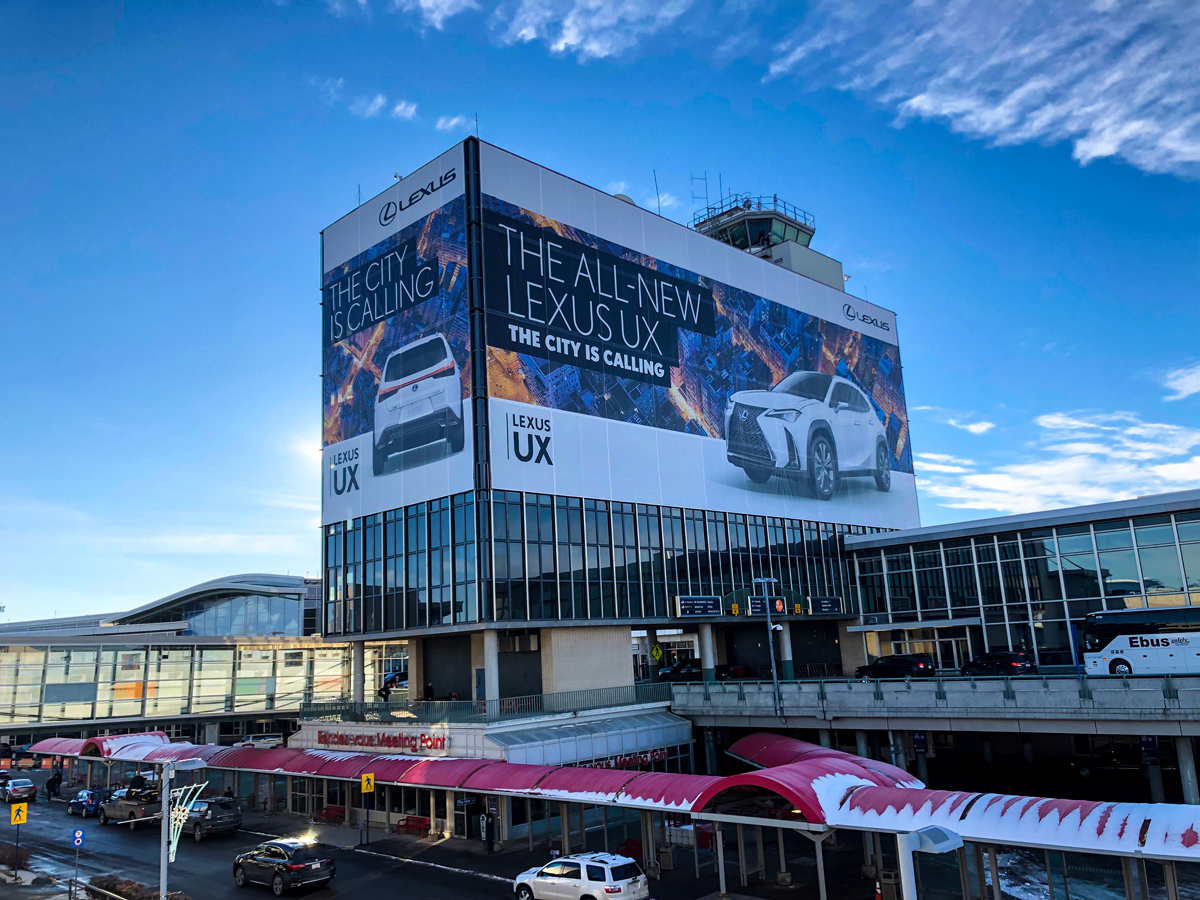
x: 551, y: 418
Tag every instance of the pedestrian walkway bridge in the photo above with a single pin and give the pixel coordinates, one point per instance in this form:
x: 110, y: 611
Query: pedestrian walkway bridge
x: 1064, y: 704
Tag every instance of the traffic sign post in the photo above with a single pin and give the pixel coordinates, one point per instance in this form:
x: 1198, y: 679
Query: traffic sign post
x: 368, y: 787
x: 18, y: 814
x: 77, y: 840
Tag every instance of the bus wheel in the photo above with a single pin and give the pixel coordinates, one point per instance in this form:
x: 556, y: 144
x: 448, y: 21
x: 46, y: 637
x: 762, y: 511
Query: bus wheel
x: 1120, y: 667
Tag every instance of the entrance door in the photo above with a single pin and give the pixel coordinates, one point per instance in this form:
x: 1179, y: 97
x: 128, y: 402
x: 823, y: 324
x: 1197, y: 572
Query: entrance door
x: 466, y: 816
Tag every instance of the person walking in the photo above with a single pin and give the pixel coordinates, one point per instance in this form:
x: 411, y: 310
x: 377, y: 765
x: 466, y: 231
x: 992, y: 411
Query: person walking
x: 429, y: 689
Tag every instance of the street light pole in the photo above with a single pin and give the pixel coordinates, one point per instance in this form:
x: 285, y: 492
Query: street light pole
x: 771, y: 640
x: 164, y: 847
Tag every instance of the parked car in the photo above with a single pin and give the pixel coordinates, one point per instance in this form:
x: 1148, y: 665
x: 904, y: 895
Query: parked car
x: 899, y: 665
x: 18, y: 790
x: 811, y: 425
x: 419, y: 402
x: 131, y: 806
x: 1007, y: 662
x: 262, y: 741
x: 596, y: 875
x: 87, y: 802
x: 284, y: 864
x: 213, y: 815
x: 682, y: 670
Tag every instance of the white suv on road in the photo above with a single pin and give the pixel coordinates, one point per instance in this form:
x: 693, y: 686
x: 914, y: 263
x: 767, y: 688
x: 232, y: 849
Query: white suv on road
x: 821, y: 427
x: 585, y: 876
x: 262, y: 741
x: 419, y: 400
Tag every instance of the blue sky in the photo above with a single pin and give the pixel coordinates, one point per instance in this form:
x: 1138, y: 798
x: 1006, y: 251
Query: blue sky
x: 1020, y: 186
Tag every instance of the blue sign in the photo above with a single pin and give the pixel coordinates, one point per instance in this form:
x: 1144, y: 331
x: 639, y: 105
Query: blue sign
x: 77, y: 837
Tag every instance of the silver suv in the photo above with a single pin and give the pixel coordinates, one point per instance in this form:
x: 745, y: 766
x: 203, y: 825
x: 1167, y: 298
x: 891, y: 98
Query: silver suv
x: 420, y: 400
x: 584, y: 876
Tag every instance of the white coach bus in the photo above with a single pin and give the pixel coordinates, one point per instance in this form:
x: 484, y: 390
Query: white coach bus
x: 1143, y: 642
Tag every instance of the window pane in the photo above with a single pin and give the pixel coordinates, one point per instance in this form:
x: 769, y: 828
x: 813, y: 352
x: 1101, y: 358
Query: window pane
x: 1191, y: 563
x: 1153, y: 531
x: 1113, y: 536
x: 1079, y: 575
x: 1160, y: 569
x: 1118, y: 569
x: 1188, y: 525
x: 1077, y: 539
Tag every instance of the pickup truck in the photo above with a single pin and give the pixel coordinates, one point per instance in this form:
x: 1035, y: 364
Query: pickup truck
x: 131, y: 805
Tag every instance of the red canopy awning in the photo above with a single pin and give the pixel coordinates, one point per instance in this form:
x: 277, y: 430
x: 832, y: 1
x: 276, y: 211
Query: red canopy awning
x: 348, y: 766
x: 590, y: 785
x: 447, y: 773
x: 59, y: 745
x: 124, y: 746
x: 253, y: 759
x: 175, y: 752
x: 667, y: 790
x: 507, y: 777
x: 310, y: 762
x: 390, y: 769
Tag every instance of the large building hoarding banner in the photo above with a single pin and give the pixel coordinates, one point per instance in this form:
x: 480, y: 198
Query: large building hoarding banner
x: 632, y: 359
x: 396, y: 348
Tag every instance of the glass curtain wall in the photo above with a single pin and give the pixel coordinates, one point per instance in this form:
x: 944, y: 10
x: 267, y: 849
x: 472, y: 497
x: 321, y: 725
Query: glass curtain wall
x: 1032, y: 589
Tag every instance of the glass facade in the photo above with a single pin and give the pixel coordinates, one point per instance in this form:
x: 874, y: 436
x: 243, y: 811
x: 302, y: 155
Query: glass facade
x: 524, y: 557
x: 237, y: 614
x: 87, y: 682
x: 1027, y: 590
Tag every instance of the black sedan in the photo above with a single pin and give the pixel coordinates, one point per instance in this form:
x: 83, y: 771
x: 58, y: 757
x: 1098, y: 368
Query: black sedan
x: 1001, y: 663
x: 898, y: 665
x: 284, y: 864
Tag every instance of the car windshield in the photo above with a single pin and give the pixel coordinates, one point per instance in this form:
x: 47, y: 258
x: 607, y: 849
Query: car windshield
x: 414, y: 359
x: 809, y: 385
x: 625, y: 871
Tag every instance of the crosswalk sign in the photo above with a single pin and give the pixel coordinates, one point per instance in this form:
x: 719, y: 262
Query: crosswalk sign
x: 17, y: 814
x: 657, y: 652
x: 368, y: 782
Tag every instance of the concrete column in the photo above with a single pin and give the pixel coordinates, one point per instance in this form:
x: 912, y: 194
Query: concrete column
x: 708, y: 653
x: 861, y: 746
x: 826, y: 737
x: 787, y: 668
x: 1154, y: 776
x: 895, y: 751
x: 564, y: 823
x: 1187, y: 769
x: 922, y: 767
x: 723, y: 893
x: 491, y: 665
x: 783, y: 876
x: 651, y: 662
x: 358, y: 671
x: 416, y: 669
x: 1027, y: 751
x: 448, y: 831
x: 712, y: 762
x: 986, y: 748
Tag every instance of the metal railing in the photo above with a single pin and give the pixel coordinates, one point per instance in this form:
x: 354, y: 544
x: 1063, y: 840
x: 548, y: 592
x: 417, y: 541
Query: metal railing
x: 735, y: 204
x: 1150, y: 701
x: 430, y: 711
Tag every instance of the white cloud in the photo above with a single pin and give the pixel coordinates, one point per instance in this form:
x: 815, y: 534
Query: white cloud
x: 434, y: 12
x: 330, y: 88
x: 665, y: 200
x: 1113, y: 78
x: 404, y: 110
x: 1183, y: 382
x: 972, y: 427
x: 618, y: 187
x: 1076, y: 458
x: 589, y: 29
x: 451, y: 123
x: 368, y: 107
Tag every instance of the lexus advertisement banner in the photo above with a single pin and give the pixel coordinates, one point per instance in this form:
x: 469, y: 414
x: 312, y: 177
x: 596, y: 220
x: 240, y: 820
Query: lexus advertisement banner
x: 396, y: 416
x: 632, y: 359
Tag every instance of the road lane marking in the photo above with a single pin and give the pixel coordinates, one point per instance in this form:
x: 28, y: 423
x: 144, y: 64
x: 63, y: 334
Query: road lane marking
x: 405, y: 859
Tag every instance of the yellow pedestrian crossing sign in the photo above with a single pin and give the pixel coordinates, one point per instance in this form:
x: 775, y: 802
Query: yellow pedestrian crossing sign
x: 17, y: 814
x: 656, y: 652
x: 368, y: 782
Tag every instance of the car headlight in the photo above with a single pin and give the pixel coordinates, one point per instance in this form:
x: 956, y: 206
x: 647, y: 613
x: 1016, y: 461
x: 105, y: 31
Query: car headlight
x: 788, y: 415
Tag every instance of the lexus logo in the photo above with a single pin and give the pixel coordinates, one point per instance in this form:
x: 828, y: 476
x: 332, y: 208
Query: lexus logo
x: 855, y: 316
x: 744, y: 416
x: 387, y: 213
